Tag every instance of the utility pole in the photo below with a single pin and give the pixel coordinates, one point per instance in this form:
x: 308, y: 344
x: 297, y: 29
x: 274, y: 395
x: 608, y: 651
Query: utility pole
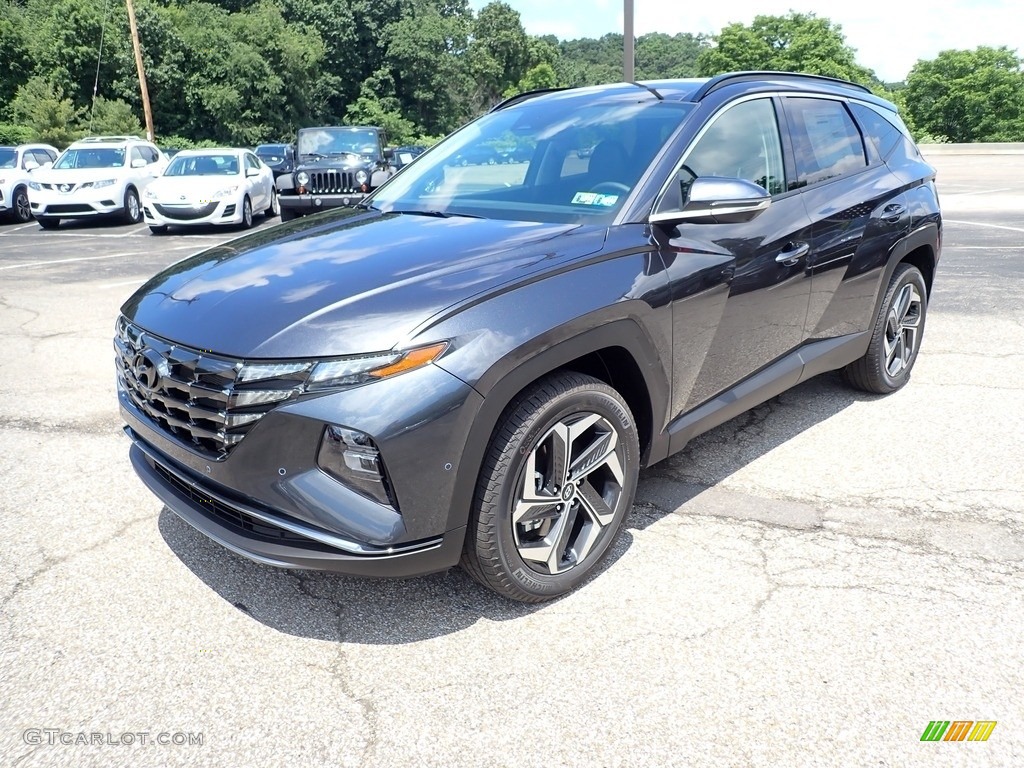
x: 628, y: 42
x: 142, y: 70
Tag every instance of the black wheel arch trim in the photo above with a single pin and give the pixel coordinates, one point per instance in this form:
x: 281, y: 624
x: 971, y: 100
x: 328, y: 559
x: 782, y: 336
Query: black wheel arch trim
x: 503, y: 381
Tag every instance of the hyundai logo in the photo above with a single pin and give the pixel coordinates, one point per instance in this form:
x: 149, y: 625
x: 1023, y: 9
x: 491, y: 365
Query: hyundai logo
x: 149, y: 368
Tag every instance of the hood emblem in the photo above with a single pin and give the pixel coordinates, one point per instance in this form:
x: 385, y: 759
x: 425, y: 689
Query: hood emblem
x: 182, y: 197
x: 64, y: 187
x: 148, y: 367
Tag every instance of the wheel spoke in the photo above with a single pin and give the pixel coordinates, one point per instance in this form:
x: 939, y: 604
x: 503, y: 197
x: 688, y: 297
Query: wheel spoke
x: 902, y: 303
x: 594, y: 455
x: 560, y: 439
x: 595, y: 506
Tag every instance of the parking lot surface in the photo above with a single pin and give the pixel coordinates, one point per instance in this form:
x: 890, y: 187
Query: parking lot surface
x: 809, y: 584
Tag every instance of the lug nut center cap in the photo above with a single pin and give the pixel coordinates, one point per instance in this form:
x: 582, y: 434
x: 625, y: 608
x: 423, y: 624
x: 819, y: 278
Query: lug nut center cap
x: 568, y: 491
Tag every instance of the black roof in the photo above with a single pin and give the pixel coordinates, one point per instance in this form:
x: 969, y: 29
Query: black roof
x: 698, y: 88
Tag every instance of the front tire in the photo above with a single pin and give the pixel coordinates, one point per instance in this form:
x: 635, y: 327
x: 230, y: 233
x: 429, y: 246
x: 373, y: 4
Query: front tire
x: 247, y: 213
x: 22, y: 210
x: 275, y: 205
x: 896, y: 337
x: 48, y: 222
x: 158, y: 229
x: 132, y: 208
x: 554, y: 490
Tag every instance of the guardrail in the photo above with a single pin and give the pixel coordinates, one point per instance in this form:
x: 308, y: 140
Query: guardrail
x: 981, y: 148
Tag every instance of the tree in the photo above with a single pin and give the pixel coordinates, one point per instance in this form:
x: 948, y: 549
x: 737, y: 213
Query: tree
x: 112, y: 117
x: 499, y: 53
x: 663, y: 56
x: 968, y: 95
x: 51, y: 117
x: 797, y: 42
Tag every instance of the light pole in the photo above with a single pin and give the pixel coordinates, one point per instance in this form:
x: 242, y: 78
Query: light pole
x: 142, y: 72
x: 627, y: 40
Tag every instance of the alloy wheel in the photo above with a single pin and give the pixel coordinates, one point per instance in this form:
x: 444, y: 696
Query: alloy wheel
x: 22, y: 210
x: 571, y: 488
x: 902, y: 330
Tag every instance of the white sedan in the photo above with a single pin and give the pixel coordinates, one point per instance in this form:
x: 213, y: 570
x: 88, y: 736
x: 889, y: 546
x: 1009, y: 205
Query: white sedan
x: 210, y: 186
x: 16, y: 163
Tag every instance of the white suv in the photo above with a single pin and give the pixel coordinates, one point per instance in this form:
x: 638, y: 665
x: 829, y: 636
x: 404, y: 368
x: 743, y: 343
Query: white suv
x: 16, y: 163
x: 94, y: 177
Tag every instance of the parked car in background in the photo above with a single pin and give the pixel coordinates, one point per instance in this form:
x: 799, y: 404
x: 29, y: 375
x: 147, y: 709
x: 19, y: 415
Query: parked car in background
x: 471, y: 367
x: 210, y: 186
x: 279, y: 157
x: 16, y: 166
x: 483, y: 154
x: 335, y: 166
x: 406, y: 154
x: 99, y: 176
x: 169, y: 152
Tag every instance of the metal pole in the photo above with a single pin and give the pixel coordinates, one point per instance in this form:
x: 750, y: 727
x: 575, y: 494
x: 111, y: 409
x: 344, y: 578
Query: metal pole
x: 628, y: 42
x: 142, y: 71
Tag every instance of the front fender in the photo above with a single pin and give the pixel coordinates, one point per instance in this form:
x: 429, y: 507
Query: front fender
x: 286, y: 184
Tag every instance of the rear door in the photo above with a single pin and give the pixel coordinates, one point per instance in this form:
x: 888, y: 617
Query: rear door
x: 857, y: 207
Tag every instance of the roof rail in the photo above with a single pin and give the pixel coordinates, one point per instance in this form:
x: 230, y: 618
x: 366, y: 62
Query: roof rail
x: 524, y: 96
x: 720, y: 81
x: 110, y: 138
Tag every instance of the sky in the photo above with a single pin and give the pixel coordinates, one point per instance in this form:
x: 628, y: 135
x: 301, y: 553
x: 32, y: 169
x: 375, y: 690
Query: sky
x: 889, y: 35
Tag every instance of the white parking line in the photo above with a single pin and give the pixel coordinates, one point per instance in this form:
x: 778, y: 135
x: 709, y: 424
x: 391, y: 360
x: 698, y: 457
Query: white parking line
x: 15, y: 229
x: 983, y: 224
x: 67, y: 261
x: 979, y: 192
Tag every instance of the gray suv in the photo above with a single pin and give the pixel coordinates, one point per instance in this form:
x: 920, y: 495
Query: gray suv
x: 474, y: 364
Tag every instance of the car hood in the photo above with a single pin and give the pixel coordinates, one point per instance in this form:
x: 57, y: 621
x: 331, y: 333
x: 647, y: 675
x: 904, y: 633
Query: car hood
x: 75, y: 175
x: 345, y: 282
x: 180, y: 189
x: 338, y: 161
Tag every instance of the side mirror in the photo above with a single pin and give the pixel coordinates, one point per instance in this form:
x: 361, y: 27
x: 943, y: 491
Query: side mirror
x: 251, y: 172
x: 389, y: 153
x: 711, y: 200
x: 48, y: 164
x: 138, y: 163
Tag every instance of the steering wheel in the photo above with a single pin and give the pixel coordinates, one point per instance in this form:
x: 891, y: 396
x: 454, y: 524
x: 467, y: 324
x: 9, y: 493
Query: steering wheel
x: 610, y: 187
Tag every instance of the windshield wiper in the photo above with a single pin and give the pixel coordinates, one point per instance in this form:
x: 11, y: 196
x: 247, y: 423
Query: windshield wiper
x: 440, y: 214
x: 313, y: 155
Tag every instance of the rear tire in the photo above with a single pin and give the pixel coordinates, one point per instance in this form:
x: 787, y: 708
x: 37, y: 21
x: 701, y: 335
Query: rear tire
x: 896, y: 337
x: 540, y: 524
x: 48, y: 222
x: 132, y: 208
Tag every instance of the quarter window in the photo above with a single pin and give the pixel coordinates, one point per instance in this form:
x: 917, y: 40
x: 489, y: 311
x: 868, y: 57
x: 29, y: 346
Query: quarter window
x: 826, y: 142
x: 743, y: 142
x: 879, y: 131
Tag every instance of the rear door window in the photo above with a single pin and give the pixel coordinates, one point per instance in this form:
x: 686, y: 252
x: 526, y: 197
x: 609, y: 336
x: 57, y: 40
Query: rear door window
x: 826, y: 141
x: 879, y: 131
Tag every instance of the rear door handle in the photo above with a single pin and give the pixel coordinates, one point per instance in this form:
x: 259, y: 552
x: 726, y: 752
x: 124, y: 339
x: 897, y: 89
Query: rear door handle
x: 793, y: 253
x: 893, y: 212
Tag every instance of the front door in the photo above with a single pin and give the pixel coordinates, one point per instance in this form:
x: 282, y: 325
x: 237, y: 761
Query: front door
x: 740, y: 291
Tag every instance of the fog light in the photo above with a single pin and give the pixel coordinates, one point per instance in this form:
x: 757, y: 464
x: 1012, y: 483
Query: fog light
x: 351, y: 457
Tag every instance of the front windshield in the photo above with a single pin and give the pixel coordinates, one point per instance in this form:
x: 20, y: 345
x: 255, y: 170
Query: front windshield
x: 91, y: 157
x: 271, y: 154
x: 8, y: 158
x: 553, y: 160
x: 203, y: 165
x: 326, y: 142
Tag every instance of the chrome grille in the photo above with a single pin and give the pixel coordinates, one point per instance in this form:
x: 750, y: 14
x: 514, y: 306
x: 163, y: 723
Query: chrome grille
x: 332, y: 182
x: 202, y: 399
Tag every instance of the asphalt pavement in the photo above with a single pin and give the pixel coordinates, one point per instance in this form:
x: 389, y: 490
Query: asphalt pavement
x: 810, y: 584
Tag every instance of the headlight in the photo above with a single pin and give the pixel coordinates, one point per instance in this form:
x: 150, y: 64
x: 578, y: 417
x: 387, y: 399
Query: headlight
x: 149, y: 194
x: 34, y: 185
x: 99, y: 184
x: 222, y: 193
x: 362, y: 177
x: 351, y: 371
x: 302, y: 178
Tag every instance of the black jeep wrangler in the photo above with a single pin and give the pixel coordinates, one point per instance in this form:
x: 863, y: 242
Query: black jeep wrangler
x: 335, y: 166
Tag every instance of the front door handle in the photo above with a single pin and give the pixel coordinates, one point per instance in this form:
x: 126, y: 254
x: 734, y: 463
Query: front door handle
x: 893, y: 212
x: 793, y: 253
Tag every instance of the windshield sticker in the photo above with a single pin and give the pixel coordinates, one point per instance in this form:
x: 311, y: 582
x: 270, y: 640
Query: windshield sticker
x: 594, y: 198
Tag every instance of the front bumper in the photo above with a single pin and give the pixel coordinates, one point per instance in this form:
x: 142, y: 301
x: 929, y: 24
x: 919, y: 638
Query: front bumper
x: 269, y: 500
x: 158, y: 213
x: 81, y: 203
x: 309, y: 203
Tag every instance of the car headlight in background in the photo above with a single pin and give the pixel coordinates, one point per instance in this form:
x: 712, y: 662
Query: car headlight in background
x: 99, y: 184
x: 302, y: 178
x: 34, y: 185
x: 362, y: 177
x: 220, y: 194
x: 149, y: 194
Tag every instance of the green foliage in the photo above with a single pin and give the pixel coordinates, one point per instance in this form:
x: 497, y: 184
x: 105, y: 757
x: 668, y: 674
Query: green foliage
x: 968, y: 96
x: 50, y: 116
x: 797, y: 42
x: 243, y: 72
